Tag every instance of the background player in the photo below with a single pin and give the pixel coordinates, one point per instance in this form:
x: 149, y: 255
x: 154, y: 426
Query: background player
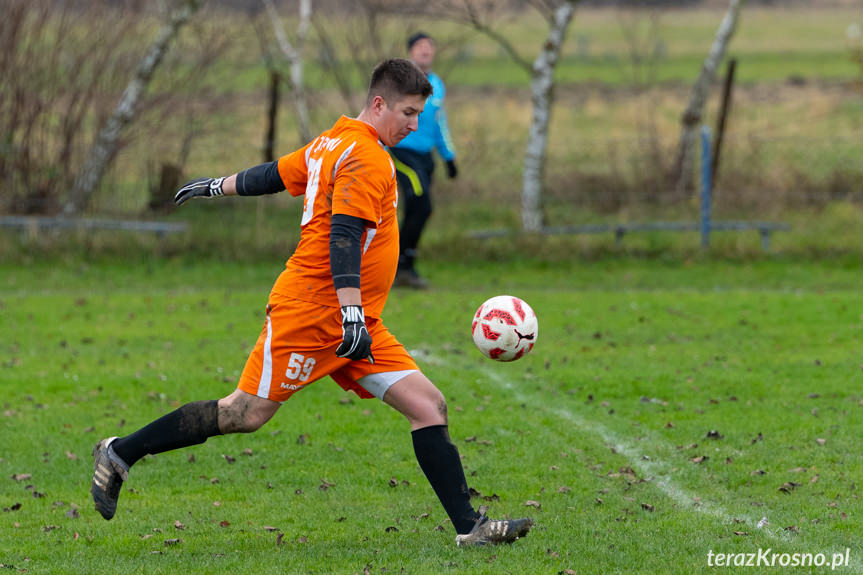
x: 321, y: 318
x: 415, y: 163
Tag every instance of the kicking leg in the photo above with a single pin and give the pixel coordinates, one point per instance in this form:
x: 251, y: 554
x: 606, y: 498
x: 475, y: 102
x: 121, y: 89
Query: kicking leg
x: 188, y: 425
x: 424, y: 406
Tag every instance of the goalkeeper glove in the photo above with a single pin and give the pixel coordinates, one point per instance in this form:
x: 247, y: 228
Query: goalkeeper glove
x: 451, y: 169
x: 199, y: 188
x: 356, y: 341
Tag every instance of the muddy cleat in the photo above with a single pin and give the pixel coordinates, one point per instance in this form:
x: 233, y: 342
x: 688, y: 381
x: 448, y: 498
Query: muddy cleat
x: 494, y: 531
x: 108, y: 476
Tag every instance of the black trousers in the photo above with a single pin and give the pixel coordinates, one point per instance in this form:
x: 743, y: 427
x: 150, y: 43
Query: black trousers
x: 414, y: 178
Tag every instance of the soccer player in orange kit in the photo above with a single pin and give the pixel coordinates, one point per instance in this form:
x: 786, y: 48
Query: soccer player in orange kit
x: 321, y: 318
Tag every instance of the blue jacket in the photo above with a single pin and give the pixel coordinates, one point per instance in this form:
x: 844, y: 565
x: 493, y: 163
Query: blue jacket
x: 433, y: 131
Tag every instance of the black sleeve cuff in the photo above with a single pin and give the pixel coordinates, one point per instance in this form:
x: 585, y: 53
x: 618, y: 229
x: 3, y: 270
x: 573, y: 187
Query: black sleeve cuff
x: 346, y: 256
x: 260, y: 180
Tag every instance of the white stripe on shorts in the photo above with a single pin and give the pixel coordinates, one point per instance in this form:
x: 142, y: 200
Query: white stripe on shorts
x: 378, y: 383
x: 267, y: 369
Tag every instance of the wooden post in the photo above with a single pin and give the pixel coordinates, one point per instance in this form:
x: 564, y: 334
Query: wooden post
x: 723, y: 115
x: 705, y: 186
x: 272, y: 116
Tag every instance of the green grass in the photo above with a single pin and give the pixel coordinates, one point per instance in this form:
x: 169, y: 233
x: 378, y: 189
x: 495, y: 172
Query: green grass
x: 636, y: 361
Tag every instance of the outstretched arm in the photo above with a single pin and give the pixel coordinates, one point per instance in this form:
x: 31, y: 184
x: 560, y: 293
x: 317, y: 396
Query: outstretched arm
x: 256, y: 181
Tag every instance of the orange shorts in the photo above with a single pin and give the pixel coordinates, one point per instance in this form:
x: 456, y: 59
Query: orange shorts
x: 297, y: 347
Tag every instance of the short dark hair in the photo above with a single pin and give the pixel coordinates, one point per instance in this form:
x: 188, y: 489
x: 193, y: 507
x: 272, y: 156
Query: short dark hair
x: 414, y: 38
x: 396, y: 78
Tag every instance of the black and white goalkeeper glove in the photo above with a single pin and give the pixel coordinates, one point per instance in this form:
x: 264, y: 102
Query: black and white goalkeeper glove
x: 356, y: 341
x: 199, y: 188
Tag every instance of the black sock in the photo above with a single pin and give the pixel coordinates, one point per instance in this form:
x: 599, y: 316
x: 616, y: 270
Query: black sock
x: 188, y: 425
x: 406, y: 260
x: 439, y: 460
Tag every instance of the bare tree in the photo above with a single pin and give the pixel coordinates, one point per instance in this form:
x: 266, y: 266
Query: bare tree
x: 53, y: 77
x: 692, y: 116
x: 105, y: 146
x: 558, y: 14
x: 294, y: 55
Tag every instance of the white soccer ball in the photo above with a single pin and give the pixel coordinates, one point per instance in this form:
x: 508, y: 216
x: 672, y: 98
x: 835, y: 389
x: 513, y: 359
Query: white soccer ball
x: 504, y: 328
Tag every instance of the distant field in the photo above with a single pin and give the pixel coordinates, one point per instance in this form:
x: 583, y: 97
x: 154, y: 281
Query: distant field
x: 666, y: 410
x: 772, y: 45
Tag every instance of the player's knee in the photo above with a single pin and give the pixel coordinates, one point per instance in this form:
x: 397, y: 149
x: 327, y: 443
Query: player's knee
x: 435, y: 407
x: 239, y: 415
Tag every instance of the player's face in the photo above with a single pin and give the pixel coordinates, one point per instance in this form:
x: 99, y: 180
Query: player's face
x: 399, y: 119
x: 422, y: 54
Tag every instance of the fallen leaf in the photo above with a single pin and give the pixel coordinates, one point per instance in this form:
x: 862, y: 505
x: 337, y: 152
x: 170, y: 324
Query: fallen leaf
x: 743, y: 533
x: 325, y: 485
x: 14, y: 507
x: 247, y: 452
x: 699, y: 459
x: 792, y: 529
x: 393, y: 482
x: 73, y: 513
x: 821, y: 441
x: 788, y: 487
x: 569, y: 572
x: 647, y: 507
x: 756, y: 439
x: 563, y: 489
x: 229, y: 458
x: 21, y: 476
x: 169, y: 542
x: 303, y: 439
x: 713, y: 434
x: 70, y: 455
x: 391, y: 529
x: 797, y: 470
x: 302, y: 539
x: 532, y: 503
x: 280, y: 538
x: 49, y: 528
x: 598, y: 501
x: 757, y: 472
x: 270, y: 528
x: 224, y: 523
x: 178, y: 525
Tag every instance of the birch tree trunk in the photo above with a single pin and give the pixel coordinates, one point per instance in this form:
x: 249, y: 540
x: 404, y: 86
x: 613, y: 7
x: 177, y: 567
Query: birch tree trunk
x: 542, y: 97
x: 559, y: 14
x: 692, y: 116
x: 294, y: 56
x: 105, y: 147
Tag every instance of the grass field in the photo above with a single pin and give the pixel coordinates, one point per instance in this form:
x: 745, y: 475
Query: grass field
x: 667, y: 409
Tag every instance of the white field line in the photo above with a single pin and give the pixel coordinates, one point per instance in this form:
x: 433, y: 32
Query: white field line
x: 654, y: 468
x: 659, y: 470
